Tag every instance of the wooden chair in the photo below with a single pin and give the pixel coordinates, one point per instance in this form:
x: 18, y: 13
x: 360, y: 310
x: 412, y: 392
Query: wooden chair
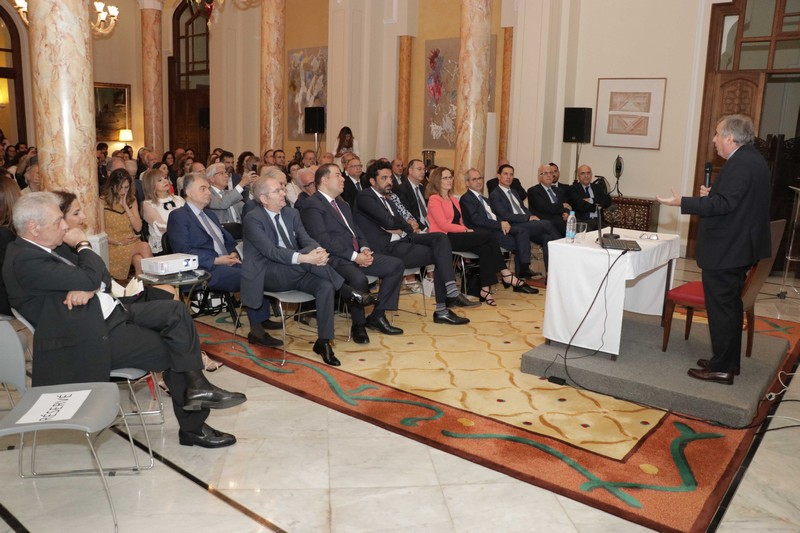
x: 691, y: 296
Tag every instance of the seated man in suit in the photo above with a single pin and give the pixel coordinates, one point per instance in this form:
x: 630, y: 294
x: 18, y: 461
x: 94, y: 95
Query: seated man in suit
x: 226, y: 203
x: 584, y: 197
x: 556, y: 177
x: 516, y: 185
x: 478, y: 214
x: 391, y: 234
x: 306, y: 178
x: 548, y: 202
x: 507, y: 206
x: 194, y: 229
x: 281, y: 256
x: 330, y: 221
x: 412, y: 193
x: 83, y: 332
x: 352, y: 180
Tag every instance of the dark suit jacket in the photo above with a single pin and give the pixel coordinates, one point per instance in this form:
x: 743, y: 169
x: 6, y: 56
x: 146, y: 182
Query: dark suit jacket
x: 475, y: 215
x: 263, y: 257
x: 541, y: 206
x: 516, y: 185
x: 70, y: 346
x: 373, y: 218
x: 6, y: 236
x: 502, y: 207
x: 405, y: 192
x: 326, y: 226
x: 350, y: 192
x: 734, y: 218
x: 575, y: 195
x: 188, y: 236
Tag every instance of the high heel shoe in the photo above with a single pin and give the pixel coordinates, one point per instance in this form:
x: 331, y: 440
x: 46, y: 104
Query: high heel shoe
x: 487, y: 298
x: 519, y: 285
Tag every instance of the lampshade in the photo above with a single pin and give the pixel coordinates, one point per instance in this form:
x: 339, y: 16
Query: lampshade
x: 125, y: 136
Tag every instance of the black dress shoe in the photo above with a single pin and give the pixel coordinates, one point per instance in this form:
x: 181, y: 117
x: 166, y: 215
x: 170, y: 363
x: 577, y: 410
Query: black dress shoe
x: 530, y: 275
x: 449, y: 317
x: 263, y: 340
x: 526, y: 289
x: 213, y: 398
x: 461, y: 301
x: 706, y: 375
x: 703, y: 363
x: 207, y: 438
x: 270, y: 325
x: 362, y: 298
x: 382, y: 324
x: 323, y: 348
x: 359, y: 334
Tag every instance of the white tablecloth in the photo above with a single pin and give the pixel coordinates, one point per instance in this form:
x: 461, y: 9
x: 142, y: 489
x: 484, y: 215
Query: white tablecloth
x: 637, y: 282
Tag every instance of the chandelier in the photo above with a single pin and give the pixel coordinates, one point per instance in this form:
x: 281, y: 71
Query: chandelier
x: 105, y: 20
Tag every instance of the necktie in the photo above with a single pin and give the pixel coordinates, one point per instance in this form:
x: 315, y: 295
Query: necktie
x: 552, y: 195
x: 421, y: 201
x: 285, y: 238
x: 339, y: 211
x: 514, y: 207
x: 489, y: 211
x: 358, y: 185
x: 219, y: 244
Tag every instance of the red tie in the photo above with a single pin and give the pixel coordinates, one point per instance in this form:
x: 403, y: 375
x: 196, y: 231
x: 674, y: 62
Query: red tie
x: 355, y: 241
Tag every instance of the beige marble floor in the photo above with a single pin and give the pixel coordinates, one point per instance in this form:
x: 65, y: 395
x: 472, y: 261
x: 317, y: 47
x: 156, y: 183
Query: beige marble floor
x: 303, y: 467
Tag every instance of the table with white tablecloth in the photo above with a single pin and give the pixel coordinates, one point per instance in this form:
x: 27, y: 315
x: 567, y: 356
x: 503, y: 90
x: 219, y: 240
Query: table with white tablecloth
x: 636, y: 282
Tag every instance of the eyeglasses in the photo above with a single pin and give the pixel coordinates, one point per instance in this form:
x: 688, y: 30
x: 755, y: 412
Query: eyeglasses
x: 447, y: 177
x: 309, y: 185
x: 546, y: 173
x: 479, y: 178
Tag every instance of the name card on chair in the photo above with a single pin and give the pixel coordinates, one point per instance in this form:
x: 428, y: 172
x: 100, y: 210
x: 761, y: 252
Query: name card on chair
x: 55, y: 406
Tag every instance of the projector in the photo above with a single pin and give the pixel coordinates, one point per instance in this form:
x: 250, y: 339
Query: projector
x: 169, y: 264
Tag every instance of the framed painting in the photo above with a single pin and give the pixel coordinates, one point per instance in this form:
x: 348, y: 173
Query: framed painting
x: 112, y: 110
x: 630, y: 112
x: 308, y: 87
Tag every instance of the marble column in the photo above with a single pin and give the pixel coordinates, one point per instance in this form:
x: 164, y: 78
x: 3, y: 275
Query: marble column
x: 404, y: 96
x: 473, y: 87
x: 272, y: 69
x: 505, y: 92
x: 60, y: 42
x: 153, y: 100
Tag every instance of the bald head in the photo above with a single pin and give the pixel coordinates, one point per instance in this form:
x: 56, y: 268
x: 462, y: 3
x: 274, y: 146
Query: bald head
x: 585, y: 175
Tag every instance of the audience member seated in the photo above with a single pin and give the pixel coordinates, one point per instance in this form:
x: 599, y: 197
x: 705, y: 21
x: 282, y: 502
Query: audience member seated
x: 548, y: 202
x: 390, y: 234
x: 195, y: 229
x: 172, y: 169
x: 352, y: 180
x: 325, y: 159
x: 411, y: 192
x: 397, y: 171
x: 121, y: 222
x: 329, y: 221
x: 281, y: 256
x: 158, y: 204
x: 309, y: 158
x: 306, y: 178
x: 444, y: 216
x: 226, y: 204
x: 61, y: 286
x: 584, y: 197
x: 556, y: 177
x: 280, y: 159
x: 33, y: 179
x: 516, y: 185
x: 506, y: 204
x: 478, y: 214
x: 293, y: 189
x: 9, y: 194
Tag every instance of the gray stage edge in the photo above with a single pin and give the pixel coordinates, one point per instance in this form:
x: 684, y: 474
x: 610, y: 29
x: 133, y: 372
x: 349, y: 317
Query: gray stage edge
x: 644, y: 374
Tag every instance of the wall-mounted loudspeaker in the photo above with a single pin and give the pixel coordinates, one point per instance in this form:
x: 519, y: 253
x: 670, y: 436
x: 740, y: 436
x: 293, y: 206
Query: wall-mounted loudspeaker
x: 577, y: 124
x: 315, y: 120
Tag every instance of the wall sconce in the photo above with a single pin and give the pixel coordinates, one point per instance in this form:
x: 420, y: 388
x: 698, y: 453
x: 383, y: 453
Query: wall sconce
x: 105, y: 19
x: 125, y: 136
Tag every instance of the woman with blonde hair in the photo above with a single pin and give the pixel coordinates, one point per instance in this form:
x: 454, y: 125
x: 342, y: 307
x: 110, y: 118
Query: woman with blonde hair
x: 9, y: 194
x: 159, y: 202
x: 444, y: 216
x: 122, y: 223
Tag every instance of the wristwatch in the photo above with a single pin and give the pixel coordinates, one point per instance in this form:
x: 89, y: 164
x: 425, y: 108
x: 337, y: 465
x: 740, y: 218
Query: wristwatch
x: 83, y: 245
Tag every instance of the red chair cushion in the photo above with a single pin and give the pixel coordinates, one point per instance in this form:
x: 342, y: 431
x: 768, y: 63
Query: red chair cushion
x: 689, y: 294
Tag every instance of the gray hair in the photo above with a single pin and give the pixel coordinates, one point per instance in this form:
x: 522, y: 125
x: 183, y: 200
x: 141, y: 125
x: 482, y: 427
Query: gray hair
x: 263, y: 186
x: 111, y: 161
x: 191, y: 177
x: 30, y: 208
x: 272, y: 172
x: 213, y: 169
x: 739, y: 126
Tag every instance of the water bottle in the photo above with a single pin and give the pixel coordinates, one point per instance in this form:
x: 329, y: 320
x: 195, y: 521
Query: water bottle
x: 572, y: 226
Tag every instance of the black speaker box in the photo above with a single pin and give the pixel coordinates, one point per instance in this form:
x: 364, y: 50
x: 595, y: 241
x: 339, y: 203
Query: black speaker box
x: 315, y: 120
x: 577, y: 124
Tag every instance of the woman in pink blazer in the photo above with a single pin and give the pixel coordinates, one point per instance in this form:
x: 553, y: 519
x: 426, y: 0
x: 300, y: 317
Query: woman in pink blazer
x: 444, y: 216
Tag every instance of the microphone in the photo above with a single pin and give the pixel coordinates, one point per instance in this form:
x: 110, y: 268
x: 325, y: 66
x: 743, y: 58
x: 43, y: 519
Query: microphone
x: 612, y: 209
x: 708, y: 167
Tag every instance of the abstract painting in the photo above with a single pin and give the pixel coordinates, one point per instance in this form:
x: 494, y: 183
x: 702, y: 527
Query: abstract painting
x: 308, y: 87
x: 441, y: 90
x: 630, y: 112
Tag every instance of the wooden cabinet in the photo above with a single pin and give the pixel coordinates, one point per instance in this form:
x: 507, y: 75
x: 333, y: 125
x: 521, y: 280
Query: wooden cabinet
x: 636, y: 213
